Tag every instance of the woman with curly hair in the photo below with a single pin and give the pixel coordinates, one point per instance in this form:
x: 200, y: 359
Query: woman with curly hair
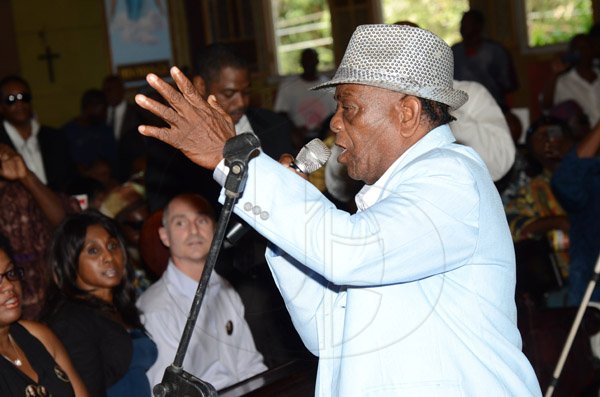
x: 92, y: 307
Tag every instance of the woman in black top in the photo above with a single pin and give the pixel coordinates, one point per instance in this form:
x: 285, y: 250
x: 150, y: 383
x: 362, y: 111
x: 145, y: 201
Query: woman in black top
x: 33, y: 362
x: 92, y: 308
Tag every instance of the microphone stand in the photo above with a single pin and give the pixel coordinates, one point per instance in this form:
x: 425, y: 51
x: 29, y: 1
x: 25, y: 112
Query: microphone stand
x: 574, y: 327
x: 176, y: 382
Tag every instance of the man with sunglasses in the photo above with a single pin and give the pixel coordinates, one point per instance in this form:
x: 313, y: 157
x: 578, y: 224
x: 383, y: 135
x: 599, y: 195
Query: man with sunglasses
x: 44, y: 149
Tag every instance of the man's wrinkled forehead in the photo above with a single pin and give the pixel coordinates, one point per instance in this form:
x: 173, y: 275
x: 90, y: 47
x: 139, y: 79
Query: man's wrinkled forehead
x: 347, y: 91
x: 354, y: 91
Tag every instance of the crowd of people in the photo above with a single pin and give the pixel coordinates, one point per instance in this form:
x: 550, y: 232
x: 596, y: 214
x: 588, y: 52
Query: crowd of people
x: 402, y: 246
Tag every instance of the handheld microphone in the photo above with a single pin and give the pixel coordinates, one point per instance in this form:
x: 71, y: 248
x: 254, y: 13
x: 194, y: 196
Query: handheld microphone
x: 310, y: 158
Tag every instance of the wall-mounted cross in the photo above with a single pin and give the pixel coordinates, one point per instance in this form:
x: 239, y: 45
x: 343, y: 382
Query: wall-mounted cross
x: 48, y: 56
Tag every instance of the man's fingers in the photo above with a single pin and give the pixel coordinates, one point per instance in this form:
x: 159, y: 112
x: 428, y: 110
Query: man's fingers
x: 158, y: 133
x: 158, y: 109
x: 286, y: 159
x: 170, y: 94
x: 212, y: 101
x: 187, y: 88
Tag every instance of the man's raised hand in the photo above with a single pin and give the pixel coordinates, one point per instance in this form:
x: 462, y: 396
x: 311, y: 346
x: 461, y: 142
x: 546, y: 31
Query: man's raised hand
x: 198, y: 128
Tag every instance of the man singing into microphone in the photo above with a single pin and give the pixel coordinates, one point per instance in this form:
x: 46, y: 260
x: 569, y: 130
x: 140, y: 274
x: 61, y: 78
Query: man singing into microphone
x: 414, y: 294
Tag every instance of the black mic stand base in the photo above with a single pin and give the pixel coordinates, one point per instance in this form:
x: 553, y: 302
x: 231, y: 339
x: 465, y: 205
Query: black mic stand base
x: 177, y: 382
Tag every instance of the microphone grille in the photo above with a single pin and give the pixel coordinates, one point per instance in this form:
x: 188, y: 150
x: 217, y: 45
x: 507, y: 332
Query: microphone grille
x: 312, y: 156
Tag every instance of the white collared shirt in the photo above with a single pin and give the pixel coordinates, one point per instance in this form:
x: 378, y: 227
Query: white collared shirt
x: 243, y: 126
x: 369, y: 194
x: 28, y: 149
x: 222, y: 350
x: 118, y: 114
x: 571, y: 85
x: 306, y: 108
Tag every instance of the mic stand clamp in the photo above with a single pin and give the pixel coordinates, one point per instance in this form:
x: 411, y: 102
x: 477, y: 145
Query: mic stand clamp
x: 237, y: 154
x: 176, y: 382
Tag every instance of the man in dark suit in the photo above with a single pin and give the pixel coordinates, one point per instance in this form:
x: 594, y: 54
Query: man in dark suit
x: 44, y: 149
x: 123, y: 117
x: 221, y: 73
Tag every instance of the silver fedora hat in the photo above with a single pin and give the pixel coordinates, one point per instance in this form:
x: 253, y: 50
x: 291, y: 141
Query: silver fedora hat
x: 399, y: 58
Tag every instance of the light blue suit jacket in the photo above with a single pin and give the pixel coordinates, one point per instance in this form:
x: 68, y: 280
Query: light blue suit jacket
x: 411, y: 296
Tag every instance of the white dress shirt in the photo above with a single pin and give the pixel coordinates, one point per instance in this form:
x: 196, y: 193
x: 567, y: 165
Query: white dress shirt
x: 306, y: 108
x: 571, y: 86
x: 243, y: 126
x: 115, y: 117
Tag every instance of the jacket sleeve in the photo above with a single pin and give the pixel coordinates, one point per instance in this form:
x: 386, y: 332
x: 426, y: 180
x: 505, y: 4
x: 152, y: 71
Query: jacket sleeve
x: 399, y: 239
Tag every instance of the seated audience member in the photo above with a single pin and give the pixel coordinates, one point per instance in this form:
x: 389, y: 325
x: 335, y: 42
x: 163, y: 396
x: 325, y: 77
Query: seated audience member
x: 123, y: 118
x: 570, y: 113
x: 572, y: 116
x: 126, y: 204
x: 576, y: 183
x: 91, y: 142
x: 92, y: 309
x: 221, y: 351
x: 538, y: 223
x: 307, y: 109
x: 29, y: 212
x: 575, y: 77
x: 44, y: 149
x: 34, y: 362
x: 534, y: 211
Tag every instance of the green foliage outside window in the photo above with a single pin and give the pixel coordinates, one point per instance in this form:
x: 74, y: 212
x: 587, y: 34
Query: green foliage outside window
x: 556, y: 21
x: 301, y: 24
x: 442, y: 17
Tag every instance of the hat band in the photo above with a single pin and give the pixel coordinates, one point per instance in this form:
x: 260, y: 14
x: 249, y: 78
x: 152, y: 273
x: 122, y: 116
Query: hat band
x: 370, y: 75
